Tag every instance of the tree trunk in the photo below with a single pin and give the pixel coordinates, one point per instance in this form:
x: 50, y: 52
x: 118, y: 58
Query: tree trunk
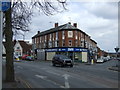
x: 9, y: 47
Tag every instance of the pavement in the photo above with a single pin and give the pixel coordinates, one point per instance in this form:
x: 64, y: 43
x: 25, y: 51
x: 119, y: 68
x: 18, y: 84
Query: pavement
x: 18, y: 83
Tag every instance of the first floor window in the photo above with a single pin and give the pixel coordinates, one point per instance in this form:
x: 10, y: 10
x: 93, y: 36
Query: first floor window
x: 76, y: 43
x: 56, y: 43
x: 18, y: 47
x: 63, y: 43
x: 70, y: 43
x: 50, y: 44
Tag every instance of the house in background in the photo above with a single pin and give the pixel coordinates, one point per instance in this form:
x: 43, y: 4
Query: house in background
x: 20, y: 48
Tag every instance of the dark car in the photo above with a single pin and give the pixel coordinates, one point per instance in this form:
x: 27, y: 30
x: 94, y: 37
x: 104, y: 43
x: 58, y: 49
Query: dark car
x: 62, y: 60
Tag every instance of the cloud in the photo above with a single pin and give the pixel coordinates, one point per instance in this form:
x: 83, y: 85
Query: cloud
x: 106, y: 10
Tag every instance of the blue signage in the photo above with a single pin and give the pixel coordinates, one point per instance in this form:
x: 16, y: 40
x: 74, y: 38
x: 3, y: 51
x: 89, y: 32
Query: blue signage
x: 67, y: 50
x: 5, y: 6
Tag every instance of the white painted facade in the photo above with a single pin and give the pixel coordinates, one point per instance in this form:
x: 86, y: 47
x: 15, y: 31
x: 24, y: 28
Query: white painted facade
x: 18, y: 49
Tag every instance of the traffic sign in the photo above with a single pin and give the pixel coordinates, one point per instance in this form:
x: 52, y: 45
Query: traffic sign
x: 4, y: 5
x: 116, y: 49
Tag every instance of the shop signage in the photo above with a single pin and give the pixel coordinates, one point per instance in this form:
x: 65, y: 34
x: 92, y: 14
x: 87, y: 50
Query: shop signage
x: 66, y: 50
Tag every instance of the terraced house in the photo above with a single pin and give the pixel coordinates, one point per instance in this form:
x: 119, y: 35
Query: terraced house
x: 65, y: 39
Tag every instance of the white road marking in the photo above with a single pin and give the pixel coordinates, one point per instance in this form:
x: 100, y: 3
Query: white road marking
x: 66, y: 80
x: 45, y: 78
x: 42, y: 77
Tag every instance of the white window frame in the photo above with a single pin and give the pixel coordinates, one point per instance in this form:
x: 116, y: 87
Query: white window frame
x: 63, y: 42
x: 70, y: 34
x: 45, y: 38
x: 53, y: 36
x: 70, y: 43
x: 63, y: 34
x: 76, y: 35
x: 56, y: 35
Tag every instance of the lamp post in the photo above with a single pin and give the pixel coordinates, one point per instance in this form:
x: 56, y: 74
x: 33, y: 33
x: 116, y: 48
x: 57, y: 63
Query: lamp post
x: 1, y: 25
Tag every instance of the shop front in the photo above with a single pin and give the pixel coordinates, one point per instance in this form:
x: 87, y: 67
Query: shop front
x: 75, y: 53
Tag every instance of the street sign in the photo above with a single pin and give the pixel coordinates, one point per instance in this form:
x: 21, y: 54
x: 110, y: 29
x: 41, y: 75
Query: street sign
x: 116, y: 49
x: 4, y: 5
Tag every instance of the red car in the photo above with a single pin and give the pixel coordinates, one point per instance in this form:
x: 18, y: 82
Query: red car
x: 24, y: 57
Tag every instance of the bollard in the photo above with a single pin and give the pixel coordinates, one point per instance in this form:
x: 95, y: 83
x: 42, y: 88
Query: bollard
x: 92, y: 61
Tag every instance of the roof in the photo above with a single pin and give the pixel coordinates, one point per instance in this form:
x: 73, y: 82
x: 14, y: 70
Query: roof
x: 26, y: 47
x: 93, y: 41
x: 67, y: 26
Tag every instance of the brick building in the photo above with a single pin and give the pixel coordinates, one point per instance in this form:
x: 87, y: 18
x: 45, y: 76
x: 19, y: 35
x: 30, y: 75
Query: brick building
x: 65, y: 39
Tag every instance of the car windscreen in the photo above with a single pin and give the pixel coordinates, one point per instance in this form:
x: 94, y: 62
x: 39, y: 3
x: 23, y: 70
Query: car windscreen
x: 64, y: 57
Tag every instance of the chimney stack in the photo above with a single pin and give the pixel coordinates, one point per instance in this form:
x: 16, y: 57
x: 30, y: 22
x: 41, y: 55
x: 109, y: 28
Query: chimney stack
x: 75, y: 24
x: 69, y: 22
x: 56, y: 25
x: 38, y: 32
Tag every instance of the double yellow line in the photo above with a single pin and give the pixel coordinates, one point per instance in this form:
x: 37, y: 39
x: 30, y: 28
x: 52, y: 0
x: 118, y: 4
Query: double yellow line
x: 24, y: 82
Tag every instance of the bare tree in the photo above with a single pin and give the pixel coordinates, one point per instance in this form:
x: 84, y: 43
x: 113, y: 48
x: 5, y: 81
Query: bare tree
x: 17, y: 18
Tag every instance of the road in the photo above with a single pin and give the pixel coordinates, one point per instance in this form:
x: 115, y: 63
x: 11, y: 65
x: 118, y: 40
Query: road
x: 41, y: 74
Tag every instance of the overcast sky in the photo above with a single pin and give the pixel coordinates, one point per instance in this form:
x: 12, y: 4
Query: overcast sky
x: 98, y: 19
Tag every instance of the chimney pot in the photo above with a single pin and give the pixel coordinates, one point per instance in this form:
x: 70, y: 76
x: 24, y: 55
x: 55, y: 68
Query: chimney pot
x: 56, y: 25
x: 69, y: 22
x: 75, y: 24
x: 38, y: 32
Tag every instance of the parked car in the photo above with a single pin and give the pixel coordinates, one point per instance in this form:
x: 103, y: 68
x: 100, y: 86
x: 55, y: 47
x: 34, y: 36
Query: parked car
x: 106, y: 58
x: 30, y: 58
x: 100, y: 60
x: 62, y: 60
x: 24, y: 57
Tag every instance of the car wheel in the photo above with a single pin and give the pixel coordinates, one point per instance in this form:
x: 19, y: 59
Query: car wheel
x: 71, y: 65
x: 62, y: 65
x: 54, y: 64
